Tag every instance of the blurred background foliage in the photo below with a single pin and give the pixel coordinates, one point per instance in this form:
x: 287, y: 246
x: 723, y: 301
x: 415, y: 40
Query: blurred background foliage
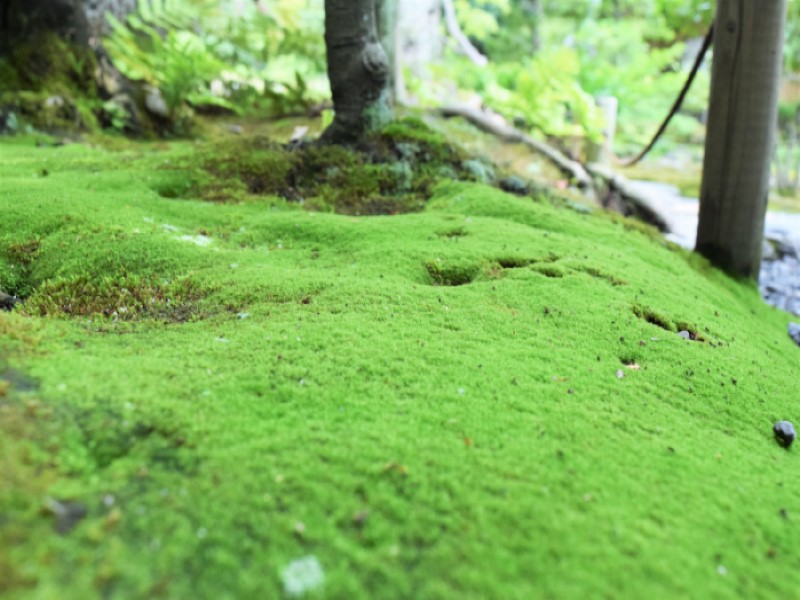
x: 265, y: 57
x: 548, y: 61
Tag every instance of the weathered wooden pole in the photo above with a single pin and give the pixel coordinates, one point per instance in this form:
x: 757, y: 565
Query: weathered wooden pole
x: 745, y: 79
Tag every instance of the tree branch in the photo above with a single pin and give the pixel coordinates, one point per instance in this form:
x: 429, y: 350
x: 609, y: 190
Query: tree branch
x: 454, y: 29
x: 494, y: 124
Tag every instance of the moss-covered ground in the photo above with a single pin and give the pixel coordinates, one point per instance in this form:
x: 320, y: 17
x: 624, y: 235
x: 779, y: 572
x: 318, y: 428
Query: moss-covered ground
x: 487, y: 398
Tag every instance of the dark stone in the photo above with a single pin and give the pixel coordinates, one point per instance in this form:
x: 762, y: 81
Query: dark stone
x: 514, y: 185
x: 8, y: 302
x: 784, y: 433
x: 794, y: 332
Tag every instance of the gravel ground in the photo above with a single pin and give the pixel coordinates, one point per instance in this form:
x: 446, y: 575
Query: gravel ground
x: 780, y: 270
x: 780, y: 276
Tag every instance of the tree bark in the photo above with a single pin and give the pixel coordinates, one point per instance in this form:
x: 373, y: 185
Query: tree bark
x: 745, y: 80
x: 358, y: 70
x: 533, y: 11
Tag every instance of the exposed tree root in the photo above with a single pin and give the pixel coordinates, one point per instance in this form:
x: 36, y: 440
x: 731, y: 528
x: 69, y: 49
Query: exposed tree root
x: 601, y: 183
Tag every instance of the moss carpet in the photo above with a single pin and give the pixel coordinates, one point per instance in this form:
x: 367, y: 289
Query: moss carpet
x: 485, y: 399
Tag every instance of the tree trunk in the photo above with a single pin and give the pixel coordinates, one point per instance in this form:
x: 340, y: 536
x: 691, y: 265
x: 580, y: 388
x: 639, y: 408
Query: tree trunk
x: 532, y: 9
x: 748, y: 44
x: 358, y: 70
x: 420, y: 42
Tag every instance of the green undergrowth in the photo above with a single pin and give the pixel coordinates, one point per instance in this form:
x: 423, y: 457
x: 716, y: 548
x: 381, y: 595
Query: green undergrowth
x: 486, y: 398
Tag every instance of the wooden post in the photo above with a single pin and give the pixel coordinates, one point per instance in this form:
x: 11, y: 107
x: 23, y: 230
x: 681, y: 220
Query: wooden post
x: 601, y: 152
x: 745, y: 79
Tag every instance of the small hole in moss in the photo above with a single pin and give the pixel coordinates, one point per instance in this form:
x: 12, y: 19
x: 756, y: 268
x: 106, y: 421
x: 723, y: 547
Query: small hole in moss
x: 691, y: 330
x: 652, y: 317
x: 548, y: 271
x: 453, y: 233
x: 513, y: 262
x: 452, y: 274
x: 599, y: 274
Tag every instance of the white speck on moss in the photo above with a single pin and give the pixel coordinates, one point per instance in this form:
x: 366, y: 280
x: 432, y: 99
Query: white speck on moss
x: 200, y: 240
x: 302, y: 575
x: 722, y: 570
x: 168, y: 227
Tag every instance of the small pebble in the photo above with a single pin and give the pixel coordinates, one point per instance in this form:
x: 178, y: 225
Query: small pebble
x: 685, y: 335
x: 784, y: 433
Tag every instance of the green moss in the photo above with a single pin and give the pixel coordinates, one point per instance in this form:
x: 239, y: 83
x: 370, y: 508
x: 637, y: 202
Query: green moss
x: 413, y: 129
x: 538, y: 430
x: 49, y: 84
x: 123, y: 298
x: 653, y: 317
x: 392, y: 171
x: 48, y: 63
x: 453, y: 273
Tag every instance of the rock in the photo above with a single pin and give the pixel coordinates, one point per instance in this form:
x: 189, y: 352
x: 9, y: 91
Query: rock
x: 785, y: 248
x: 8, y: 302
x: 9, y: 124
x: 784, y: 433
x: 685, y: 335
x: 482, y: 171
x: 154, y: 102
x: 794, y: 332
x: 54, y: 102
x: 107, y: 77
x: 514, y: 185
x: 298, y: 134
x: 768, y: 252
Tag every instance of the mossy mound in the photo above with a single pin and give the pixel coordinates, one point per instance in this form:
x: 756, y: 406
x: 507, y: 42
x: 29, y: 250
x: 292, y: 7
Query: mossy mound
x: 48, y: 84
x: 51, y: 85
x: 391, y: 172
x: 487, y: 398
